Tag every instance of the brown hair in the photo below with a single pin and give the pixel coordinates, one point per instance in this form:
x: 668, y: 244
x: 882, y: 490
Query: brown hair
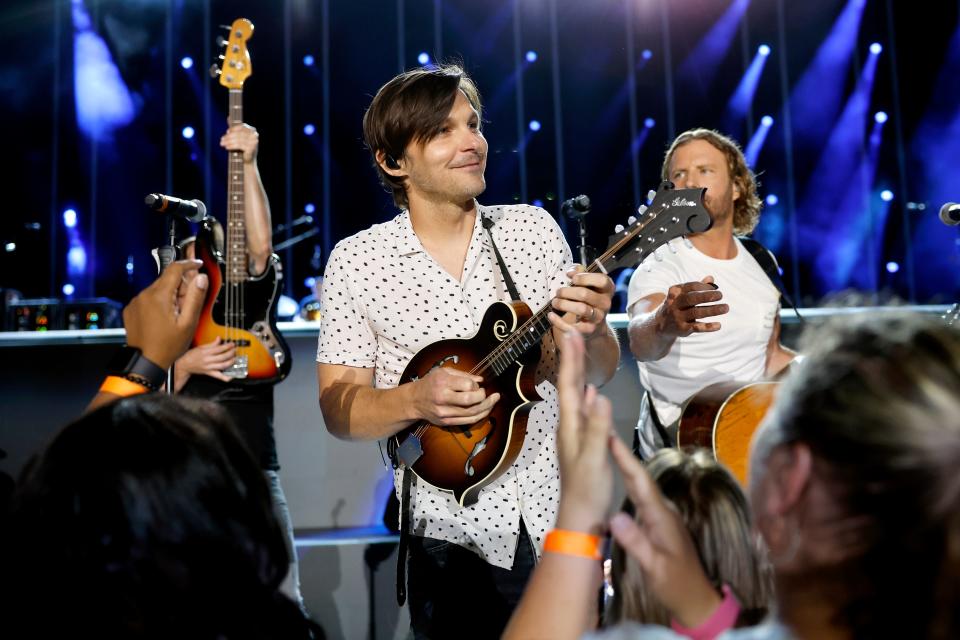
x: 412, y: 107
x: 715, y: 512
x: 746, y: 208
x: 877, y: 402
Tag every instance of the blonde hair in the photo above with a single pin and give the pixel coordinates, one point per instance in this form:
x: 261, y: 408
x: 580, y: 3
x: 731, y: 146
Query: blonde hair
x: 715, y: 512
x: 746, y: 208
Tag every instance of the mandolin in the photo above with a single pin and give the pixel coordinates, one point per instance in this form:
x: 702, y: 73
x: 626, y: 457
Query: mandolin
x: 240, y: 308
x: 505, y: 351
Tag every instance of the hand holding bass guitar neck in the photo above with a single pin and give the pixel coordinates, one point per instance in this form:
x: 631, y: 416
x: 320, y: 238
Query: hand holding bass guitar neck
x: 502, y: 356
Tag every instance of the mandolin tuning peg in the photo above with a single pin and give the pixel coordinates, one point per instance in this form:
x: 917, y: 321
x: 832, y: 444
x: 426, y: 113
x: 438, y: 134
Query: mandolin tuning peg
x: 631, y: 220
x: 214, y: 71
x: 642, y: 209
x: 618, y: 228
x: 651, y: 194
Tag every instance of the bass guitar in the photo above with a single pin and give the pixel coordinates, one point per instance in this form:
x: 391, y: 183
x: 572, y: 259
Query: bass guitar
x: 240, y: 308
x: 505, y: 351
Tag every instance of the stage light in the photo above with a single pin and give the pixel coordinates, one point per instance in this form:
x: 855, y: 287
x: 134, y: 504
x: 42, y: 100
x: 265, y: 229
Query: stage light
x: 886, y: 195
x: 10, y: 247
x: 763, y: 50
x: 129, y: 265
x: 538, y: 203
x: 423, y: 58
x: 892, y: 267
x: 880, y: 117
x: 68, y: 289
x: 647, y: 54
x: 188, y: 132
x: 649, y: 123
x: 534, y: 125
x: 76, y: 259
x: 309, y: 207
x: 309, y: 129
x: 531, y: 56
x: 308, y: 60
x: 186, y: 62
x: 876, y: 48
x: 766, y: 121
x: 69, y: 218
x: 772, y: 200
x: 310, y: 282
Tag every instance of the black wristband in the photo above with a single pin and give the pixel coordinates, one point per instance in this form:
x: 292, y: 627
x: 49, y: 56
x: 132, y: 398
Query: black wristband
x: 130, y: 363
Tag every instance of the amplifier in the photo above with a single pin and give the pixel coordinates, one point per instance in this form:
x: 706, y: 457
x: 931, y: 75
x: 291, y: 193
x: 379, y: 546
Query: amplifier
x: 48, y: 314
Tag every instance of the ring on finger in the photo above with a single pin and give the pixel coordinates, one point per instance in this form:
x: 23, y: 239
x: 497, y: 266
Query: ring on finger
x: 593, y: 313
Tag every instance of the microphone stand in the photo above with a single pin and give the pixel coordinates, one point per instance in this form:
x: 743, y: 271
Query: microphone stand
x: 167, y: 255
x: 577, y: 209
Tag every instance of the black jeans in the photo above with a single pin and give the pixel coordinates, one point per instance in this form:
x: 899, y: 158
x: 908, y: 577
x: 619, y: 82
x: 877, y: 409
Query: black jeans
x: 453, y: 593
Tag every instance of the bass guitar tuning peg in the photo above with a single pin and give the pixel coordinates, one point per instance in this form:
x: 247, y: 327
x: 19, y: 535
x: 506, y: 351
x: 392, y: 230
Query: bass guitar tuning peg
x: 225, y: 27
x: 221, y: 41
x: 214, y: 70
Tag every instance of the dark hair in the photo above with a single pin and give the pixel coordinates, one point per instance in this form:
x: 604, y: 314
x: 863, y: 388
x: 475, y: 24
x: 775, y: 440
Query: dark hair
x: 148, y: 517
x: 877, y: 402
x: 715, y: 511
x: 746, y: 208
x: 412, y: 108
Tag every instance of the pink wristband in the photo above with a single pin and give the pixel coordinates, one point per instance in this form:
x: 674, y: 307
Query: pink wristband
x: 722, y: 619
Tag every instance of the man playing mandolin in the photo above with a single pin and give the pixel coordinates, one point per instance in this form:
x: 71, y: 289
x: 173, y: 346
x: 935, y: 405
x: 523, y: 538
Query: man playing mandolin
x: 702, y: 310
x: 430, y: 274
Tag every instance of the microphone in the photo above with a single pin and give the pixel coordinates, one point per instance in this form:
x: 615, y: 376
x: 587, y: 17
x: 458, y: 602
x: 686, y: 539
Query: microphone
x: 575, y: 208
x: 950, y: 214
x: 192, y: 210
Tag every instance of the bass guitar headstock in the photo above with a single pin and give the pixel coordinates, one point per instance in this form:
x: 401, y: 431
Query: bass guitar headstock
x: 234, y: 67
x: 671, y: 214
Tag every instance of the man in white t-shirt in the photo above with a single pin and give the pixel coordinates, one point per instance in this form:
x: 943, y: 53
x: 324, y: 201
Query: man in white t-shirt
x: 701, y: 308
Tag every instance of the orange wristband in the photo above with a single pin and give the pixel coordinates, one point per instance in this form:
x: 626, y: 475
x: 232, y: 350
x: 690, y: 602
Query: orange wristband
x: 122, y: 387
x: 573, y: 543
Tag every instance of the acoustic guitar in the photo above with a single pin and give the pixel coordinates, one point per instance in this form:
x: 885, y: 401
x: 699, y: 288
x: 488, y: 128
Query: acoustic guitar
x: 723, y: 418
x: 505, y: 351
x: 240, y: 308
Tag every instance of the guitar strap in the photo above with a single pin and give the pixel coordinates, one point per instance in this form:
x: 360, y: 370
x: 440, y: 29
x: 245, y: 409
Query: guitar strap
x: 512, y: 288
x: 407, y: 475
x: 768, y: 263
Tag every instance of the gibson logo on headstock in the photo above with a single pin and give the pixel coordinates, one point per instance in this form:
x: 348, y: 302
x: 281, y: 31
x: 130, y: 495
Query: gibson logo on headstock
x: 682, y: 202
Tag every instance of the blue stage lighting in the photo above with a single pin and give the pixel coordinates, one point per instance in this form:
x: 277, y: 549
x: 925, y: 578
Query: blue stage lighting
x: 534, y: 125
x: 886, y: 195
x: 68, y: 289
x: 310, y: 282
x: 649, y: 123
x: 892, y: 267
x: 186, y: 62
x: 880, y: 117
x: 647, y: 54
x: 76, y: 259
x: 767, y: 121
x: 10, y: 247
x: 763, y: 50
x: 876, y: 48
x: 308, y: 60
x: 309, y: 129
x: 531, y: 56
x: 309, y: 207
x: 188, y: 132
x: 538, y: 203
x: 129, y: 265
x: 423, y: 58
x: 69, y: 218
x: 772, y: 200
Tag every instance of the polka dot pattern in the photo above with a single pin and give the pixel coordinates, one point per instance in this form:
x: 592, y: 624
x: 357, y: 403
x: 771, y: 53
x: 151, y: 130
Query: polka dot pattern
x: 384, y: 298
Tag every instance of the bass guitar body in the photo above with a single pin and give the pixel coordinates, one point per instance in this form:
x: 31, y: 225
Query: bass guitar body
x: 242, y: 310
x: 723, y: 418
x: 464, y: 459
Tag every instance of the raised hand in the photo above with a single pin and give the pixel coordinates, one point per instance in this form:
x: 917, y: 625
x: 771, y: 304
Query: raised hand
x: 449, y: 397
x: 242, y: 137
x: 686, y: 304
x: 161, y: 319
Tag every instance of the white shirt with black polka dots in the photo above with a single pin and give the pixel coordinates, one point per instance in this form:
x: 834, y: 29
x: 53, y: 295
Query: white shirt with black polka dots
x: 384, y: 298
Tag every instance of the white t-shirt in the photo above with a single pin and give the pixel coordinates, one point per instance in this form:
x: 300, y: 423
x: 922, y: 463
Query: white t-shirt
x: 384, y: 298
x: 735, y: 353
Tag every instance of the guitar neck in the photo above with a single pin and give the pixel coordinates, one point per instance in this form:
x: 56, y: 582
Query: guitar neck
x: 236, y: 235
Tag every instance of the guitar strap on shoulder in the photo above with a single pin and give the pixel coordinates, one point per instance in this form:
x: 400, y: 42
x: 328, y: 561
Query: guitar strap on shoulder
x: 512, y: 288
x: 768, y: 263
